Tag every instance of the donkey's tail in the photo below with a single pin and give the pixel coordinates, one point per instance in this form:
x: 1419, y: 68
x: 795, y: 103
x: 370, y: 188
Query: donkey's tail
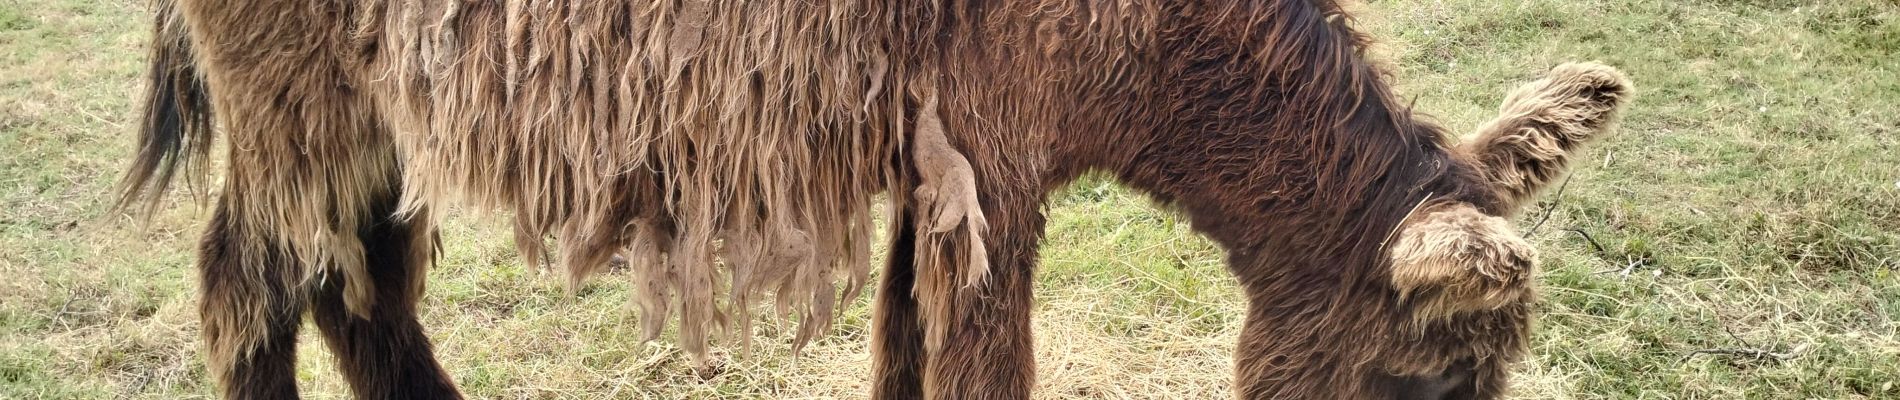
x: 177, y: 125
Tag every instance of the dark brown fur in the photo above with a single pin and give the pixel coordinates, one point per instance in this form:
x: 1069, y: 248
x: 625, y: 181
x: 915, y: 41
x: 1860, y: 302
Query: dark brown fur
x: 386, y: 356
x: 1268, y: 126
x: 1370, y: 247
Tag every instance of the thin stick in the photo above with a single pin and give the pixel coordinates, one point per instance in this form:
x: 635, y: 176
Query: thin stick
x: 1756, y: 354
x: 1749, y: 350
x: 1587, y: 238
x: 1549, y: 209
x: 1408, y: 216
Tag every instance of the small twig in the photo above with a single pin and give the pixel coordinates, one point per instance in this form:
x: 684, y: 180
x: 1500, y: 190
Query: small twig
x: 1408, y: 215
x: 1628, y: 267
x: 1549, y: 209
x: 115, y: 125
x: 1749, y: 350
x: 1587, y: 238
x: 1738, y: 338
x: 1623, y: 272
x: 1755, y: 354
x: 60, y: 316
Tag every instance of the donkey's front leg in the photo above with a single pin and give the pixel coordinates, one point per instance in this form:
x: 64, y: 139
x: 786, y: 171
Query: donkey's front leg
x: 978, y: 333
x: 977, y: 226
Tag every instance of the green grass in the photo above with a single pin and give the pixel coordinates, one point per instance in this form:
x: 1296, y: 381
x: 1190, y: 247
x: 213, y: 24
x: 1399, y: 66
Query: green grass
x: 1751, y: 200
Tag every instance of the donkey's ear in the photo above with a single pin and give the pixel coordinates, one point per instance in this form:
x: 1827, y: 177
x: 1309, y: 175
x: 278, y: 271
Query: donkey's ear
x: 1542, y: 124
x: 1453, y: 258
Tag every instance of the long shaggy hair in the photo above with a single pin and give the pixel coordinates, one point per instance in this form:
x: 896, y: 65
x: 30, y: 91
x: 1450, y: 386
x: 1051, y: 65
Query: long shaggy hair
x: 732, y: 150
x: 681, y: 132
x: 685, y: 134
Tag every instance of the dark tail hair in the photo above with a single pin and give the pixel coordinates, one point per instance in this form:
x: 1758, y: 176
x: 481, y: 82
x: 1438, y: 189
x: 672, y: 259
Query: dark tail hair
x: 177, y: 126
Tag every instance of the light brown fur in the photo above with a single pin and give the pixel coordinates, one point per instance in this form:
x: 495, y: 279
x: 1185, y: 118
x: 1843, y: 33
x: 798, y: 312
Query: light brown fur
x: 1455, y: 259
x: 696, y: 133
x: 1543, y: 124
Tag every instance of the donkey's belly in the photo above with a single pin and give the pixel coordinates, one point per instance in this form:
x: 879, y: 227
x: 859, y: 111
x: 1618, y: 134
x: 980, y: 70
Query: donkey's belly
x: 753, y: 133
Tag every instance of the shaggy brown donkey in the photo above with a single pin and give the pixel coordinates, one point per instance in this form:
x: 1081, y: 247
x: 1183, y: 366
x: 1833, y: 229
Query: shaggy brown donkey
x: 732, y: 149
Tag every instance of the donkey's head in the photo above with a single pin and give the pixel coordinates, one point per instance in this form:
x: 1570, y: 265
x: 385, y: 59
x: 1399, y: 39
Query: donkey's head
x: 1453, y: 256
x: 1461, y: 273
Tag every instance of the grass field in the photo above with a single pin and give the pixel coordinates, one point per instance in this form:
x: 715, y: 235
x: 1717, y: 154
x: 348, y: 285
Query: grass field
x: 1738, y: 240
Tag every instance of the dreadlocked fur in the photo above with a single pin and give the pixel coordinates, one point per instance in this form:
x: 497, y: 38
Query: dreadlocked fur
x: 685, y: 134
x: 732, y: 150
x: 753, y: 132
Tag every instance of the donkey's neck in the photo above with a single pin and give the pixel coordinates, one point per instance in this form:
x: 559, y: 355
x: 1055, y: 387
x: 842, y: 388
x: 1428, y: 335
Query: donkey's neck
x: 1264, y: 121
x: 1278, y: 134
x: 1272, y: 186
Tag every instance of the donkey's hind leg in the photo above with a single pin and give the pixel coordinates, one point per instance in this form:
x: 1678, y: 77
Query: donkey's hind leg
x: 385, y: 355
x: 250, y: 306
